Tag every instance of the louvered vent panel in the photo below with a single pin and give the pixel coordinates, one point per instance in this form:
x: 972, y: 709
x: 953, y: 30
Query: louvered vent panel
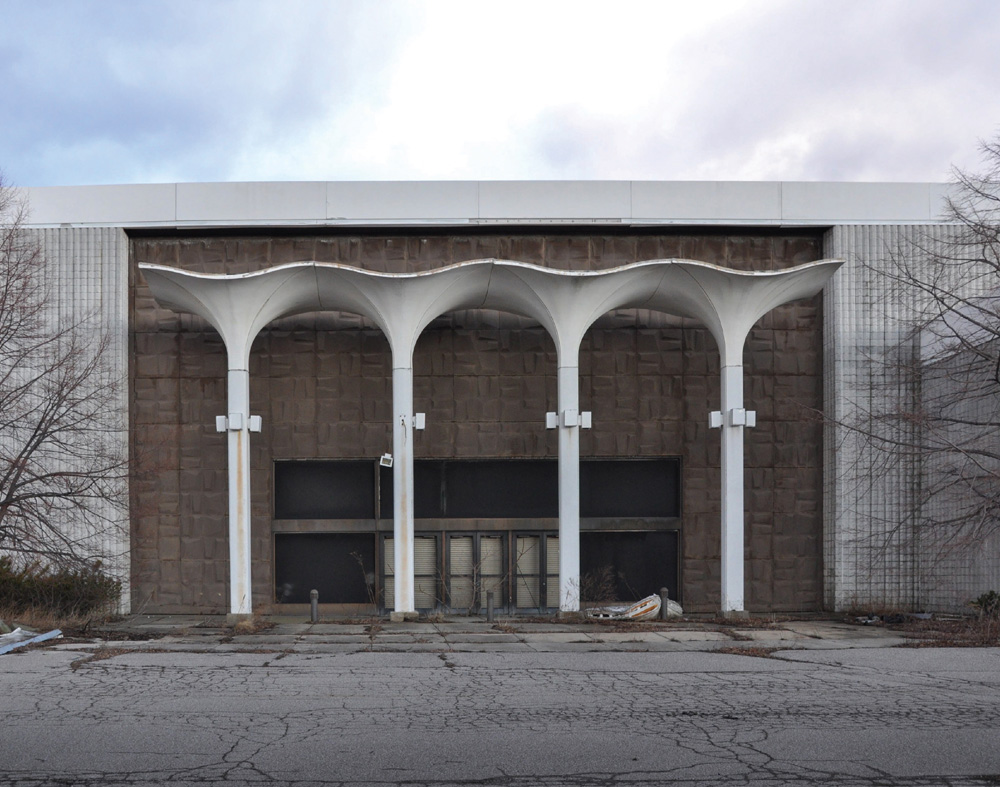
x: 527, y: 555
x: 491, y: 555
x: 389, y: 590
x: 491, y: 565
x: 552, y: 570
x: 461, y: 555
x: 425, y: 572
x: 527, y: 587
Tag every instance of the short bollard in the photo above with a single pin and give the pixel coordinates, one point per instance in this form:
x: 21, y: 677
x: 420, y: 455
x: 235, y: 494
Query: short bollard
x: 314, y: 606
x: 489, y: 606
x: 664, y: 603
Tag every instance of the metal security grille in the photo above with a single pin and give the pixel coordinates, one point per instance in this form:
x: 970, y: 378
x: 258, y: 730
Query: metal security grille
x: 536, y: 565
x: 528, y: 581
x: 475, y: 567
x: 461, y: 572
x: 425, y: 572
x: 552, y: 571
x: 491, y: 566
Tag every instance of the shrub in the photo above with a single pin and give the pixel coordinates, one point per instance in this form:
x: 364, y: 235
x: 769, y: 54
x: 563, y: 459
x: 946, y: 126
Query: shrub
x: 62, y: 591
x: 598, y: 585
x: 988, y: 604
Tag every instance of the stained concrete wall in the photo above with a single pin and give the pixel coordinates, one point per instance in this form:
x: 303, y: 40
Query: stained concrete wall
x: 322, y: 384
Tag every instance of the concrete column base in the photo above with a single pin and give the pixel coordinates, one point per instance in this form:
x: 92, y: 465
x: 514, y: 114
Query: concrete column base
x: 738, y: 614
x: 232, y: 618
x: 402, y: 617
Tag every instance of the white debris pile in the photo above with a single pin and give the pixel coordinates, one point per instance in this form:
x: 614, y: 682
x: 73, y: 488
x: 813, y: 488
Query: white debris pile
x: 645, y: 609
x: 20, y: 637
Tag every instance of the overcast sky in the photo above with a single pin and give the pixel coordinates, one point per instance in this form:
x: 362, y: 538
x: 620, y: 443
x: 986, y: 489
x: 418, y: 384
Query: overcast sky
x: 141, y: 91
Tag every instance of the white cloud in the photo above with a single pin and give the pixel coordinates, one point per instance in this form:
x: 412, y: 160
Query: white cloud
x: 248, y: 90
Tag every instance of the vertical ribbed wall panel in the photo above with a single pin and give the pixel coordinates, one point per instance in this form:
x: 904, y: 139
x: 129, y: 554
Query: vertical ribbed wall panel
x: 87, y: 271
x: 878, y: 538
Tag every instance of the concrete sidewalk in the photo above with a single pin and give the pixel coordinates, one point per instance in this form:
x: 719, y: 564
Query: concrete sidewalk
x: 472, y: 634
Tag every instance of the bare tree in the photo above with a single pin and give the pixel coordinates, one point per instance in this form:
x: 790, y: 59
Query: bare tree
x: 63, y: 465
x: 930, y: 417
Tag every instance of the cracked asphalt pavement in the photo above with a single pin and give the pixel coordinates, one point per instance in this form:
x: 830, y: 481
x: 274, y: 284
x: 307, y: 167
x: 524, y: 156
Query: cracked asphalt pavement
x: 262, y: 710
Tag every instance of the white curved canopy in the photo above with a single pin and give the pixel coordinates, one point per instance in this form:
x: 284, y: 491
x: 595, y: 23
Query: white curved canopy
x: 566, y: 303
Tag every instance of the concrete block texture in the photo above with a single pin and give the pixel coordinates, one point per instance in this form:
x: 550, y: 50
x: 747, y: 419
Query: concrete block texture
x: 323, y: 386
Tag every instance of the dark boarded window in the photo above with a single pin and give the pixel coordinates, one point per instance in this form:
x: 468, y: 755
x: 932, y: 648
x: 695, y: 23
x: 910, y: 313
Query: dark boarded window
x: 481, y: 489
x: 343, y: 489
x: 630, y: 488
x: 341, y: 566
x: 490, y: 488
x: 477, y: 489
x: 528, y: 488
x: 635, y: 564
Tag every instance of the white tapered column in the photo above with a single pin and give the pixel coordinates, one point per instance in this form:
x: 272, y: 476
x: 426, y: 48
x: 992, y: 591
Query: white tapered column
x: 402, y: 488
x: 237, y: 426
x: 733, y: 417
x: 569, y: 488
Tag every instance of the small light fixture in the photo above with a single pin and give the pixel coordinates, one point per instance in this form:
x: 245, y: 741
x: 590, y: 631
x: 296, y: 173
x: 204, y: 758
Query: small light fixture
x: 385, y: 460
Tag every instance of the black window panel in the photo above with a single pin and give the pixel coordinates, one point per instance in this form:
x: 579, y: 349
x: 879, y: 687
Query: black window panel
x: 640, y: 563
x: 630, y: 488
x: 521, y: 488
x: 326, y: 562
x: 428, y: 489
x: 324, y: 490
x: 528, y: 488
x: 385, y: 492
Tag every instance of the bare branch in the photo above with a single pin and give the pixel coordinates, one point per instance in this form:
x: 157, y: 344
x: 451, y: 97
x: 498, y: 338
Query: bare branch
x: 63, y: 467
x: 931, y: 411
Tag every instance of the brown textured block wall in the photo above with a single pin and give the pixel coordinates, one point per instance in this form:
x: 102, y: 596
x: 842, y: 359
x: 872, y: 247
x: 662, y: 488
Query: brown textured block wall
x: 323, y: 385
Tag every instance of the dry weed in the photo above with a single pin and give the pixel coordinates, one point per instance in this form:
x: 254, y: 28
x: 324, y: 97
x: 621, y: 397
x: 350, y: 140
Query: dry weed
x: 42, y: 619
x: 971, y: 632
x: 252, y: 625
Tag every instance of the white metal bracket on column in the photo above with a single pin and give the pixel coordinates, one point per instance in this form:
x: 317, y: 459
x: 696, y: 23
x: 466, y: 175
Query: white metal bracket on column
x: 234, y: 421
x: 569, y: 418
x: 417, y: 421
x: 737, y: 417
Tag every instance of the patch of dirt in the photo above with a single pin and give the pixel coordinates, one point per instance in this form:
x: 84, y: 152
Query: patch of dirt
x: 969, y: 633
x: 736, y: 650
x: 254, y: 625
x: 115, y: 634
x: 102, y: 654
x: 751, y: 622
x: 945, y: 631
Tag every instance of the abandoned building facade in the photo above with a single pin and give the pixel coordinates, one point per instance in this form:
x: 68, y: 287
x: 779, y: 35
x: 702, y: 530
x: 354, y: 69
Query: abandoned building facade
x: 554, y: 425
